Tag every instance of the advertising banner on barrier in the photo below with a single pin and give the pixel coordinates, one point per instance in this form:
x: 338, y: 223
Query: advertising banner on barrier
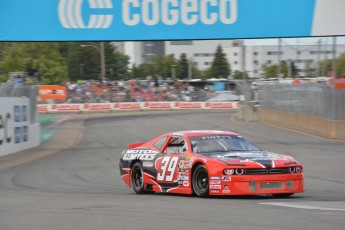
x: 65, y: 107
x: 128, y: 106
x: 16, y: 132
x: 52, y: 92
x: 89, y: 20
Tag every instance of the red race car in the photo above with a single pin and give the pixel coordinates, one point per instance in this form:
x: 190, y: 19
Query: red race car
x: 208, y: 163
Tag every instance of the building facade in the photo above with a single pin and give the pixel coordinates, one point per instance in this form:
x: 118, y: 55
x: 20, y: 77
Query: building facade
x: 241, y: 57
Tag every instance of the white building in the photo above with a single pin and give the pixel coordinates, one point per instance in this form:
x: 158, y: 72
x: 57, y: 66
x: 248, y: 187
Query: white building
x: 240, y: 57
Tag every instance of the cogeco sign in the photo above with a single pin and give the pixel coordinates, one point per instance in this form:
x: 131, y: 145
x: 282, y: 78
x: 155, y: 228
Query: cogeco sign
x: 172, y: 12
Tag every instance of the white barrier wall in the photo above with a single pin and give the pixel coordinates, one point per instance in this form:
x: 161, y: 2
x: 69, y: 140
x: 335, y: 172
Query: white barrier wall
x: 126, y: 106
x: 16, y: 131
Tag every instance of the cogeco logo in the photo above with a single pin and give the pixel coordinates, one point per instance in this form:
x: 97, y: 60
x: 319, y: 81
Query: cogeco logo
x: 172, y: 12
x: 150, y: 13
x: 71, y: 14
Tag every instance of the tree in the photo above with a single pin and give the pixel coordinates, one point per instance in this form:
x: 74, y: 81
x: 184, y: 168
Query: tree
x: 239, y: 75
x: 44, y: 57
x: 308, y: 69
x: 340, y: 66
x: 220, y: 67
x: 270, y: 71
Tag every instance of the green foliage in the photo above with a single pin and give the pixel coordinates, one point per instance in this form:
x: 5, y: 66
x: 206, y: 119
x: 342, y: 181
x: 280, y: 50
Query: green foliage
x: 270, y: 71
x: 239, y: 75
x: 309, y: 70
x: 340, y: 66
x: 220, y: 66
x: 41, y: 56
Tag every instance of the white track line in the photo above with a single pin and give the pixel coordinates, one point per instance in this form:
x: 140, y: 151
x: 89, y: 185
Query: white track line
x: 301, y: 206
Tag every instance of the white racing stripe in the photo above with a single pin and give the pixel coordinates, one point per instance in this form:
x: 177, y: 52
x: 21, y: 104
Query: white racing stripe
x: 323, y: 206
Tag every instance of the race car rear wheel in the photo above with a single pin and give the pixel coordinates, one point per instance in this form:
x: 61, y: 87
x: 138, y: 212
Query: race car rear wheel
x: 137, y: 178
x: 200, y: 181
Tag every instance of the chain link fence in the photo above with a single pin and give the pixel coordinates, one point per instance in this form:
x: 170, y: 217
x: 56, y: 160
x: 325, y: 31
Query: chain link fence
x: 313, y: 99
x: 21, y: 90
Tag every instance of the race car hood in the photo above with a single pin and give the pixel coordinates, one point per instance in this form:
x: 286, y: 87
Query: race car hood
x: 261, y: 159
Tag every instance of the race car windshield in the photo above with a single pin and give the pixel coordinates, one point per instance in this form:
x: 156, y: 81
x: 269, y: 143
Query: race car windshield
x: 215, y: 144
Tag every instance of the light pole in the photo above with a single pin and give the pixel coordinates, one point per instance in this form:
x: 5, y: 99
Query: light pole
x: 173, y: 73
x: 100, y: 49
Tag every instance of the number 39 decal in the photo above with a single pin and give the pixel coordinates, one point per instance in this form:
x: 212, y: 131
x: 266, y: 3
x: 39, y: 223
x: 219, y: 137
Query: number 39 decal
x: 167, y: 169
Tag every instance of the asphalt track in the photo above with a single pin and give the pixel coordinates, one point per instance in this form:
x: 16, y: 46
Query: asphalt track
x: 80, y: 188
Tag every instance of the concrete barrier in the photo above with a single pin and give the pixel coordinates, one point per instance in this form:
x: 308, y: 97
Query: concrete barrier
x: 314, y: 125
x: 16, y: 131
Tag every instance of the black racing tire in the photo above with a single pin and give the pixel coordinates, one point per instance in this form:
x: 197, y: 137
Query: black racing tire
x: 282, y: 195
x: 200, y: 182
x: 137, y: 178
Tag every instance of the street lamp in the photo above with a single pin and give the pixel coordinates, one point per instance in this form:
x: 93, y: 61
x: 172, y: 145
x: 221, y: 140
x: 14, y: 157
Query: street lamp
x: 173, y: 73
x: 100, y: 49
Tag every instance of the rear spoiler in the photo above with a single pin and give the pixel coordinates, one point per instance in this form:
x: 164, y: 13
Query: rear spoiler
x: 134, y: 145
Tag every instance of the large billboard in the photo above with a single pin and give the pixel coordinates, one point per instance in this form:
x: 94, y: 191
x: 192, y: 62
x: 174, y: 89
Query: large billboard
x: 130, y: 20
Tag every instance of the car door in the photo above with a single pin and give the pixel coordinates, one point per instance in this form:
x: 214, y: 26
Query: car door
x: 167, y: 166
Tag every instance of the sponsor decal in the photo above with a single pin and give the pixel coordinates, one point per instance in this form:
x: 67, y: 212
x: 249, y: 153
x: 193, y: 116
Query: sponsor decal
x: 143, y: 154
x: 52, y: 92
x: 226, y: 178
x: 157, y: 105
x: 66, y: 107
x: 220, y: 105
x: 214, y: 191
x: 184, y: 173
x: 185, y: 183
x: 226, y: 191
x: 97, y: 107
x: 148, y: 164
x: 179, y: 182
x: 144, y: 151
x: 214, y: 181
x: 183, y: 178
x: 127, y: 106
x: 42, y: 108
x: 215, y: 186
x: 215, y: 178
x: 188, y: 105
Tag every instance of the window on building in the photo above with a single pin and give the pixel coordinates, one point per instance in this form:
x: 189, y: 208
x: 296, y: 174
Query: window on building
x: 255, y: 71
x: 321, y: 52
x: 275, y: 53
x: 235, y: 54
x: 256, y: 62
x: 255, y: 53
x: 269, y: 61
x: 235, y: 62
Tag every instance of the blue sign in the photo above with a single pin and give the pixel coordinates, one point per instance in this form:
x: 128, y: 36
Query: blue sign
x: 85, y: 20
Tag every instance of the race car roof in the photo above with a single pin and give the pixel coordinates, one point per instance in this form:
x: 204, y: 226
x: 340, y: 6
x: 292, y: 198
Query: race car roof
x: 202, y: 132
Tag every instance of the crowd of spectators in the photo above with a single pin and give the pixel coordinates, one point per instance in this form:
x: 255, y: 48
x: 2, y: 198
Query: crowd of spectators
x: 89, y: 91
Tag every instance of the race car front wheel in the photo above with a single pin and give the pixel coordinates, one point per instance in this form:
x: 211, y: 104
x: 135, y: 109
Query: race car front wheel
x: 137, y: 178
x: 200, y: 181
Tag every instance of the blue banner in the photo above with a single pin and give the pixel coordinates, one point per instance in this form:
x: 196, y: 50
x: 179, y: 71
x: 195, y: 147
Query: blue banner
x: 82, y: 20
